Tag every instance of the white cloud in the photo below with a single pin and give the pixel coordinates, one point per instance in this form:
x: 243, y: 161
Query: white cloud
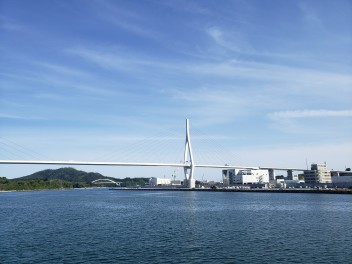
x: 310, y: 114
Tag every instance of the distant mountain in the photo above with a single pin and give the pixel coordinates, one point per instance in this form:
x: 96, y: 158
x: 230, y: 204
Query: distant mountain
x: 66, y: 174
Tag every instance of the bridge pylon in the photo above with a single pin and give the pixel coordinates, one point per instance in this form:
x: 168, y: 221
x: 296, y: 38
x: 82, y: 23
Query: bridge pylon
x: 189, y: 181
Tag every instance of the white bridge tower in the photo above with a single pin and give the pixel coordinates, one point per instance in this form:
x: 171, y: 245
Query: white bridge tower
x: 188, y: 160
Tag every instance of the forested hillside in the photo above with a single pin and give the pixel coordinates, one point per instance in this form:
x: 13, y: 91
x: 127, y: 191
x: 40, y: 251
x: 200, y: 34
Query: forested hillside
x: 63, y: 178
x: 66, y: 174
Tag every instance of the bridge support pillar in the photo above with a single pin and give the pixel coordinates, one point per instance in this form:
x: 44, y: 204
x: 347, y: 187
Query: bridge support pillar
x: 189, y: 181
x: 271, y: 174
x: 289, y: 175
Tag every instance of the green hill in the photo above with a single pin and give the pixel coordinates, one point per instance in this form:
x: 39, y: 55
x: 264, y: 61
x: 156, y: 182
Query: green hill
x: 66, y: 174
x: 63, y: 178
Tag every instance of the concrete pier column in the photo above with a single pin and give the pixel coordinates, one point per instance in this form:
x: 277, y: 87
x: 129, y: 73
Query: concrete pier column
x: 271, y: 174
x: 289, y: 175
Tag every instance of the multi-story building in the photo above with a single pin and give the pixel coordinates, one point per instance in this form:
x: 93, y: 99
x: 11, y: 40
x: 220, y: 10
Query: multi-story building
x: 317, y: 174
x: 247, y: 176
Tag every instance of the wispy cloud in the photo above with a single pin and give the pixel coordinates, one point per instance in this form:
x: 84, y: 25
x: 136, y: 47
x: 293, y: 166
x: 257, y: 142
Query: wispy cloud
x: 11, y: 26
x: 116, y: 59
x: 7, y: 116
x: 186, y: 6
x: 233, y: 41
x: 213, y: 104
x: 221, y: 90
x: 49, y: 75
x: 8, y: 24
x: 320, y: 124
x: 63, y: 70
x: 216, y: 34
x: 131, y: 22
x: 297, y: 79
x: 309, y: 15
x: 310, y: 114
x: 295, y: 155
x: 23, y: 117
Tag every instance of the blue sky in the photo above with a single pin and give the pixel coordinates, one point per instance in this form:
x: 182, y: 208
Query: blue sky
x: 268, y: 81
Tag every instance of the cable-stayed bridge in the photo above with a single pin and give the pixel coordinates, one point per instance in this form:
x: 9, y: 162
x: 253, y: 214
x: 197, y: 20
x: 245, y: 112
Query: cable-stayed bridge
x: 188, y: 163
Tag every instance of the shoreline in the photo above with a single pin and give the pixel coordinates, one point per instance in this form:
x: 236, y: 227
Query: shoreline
x: 326, y: 191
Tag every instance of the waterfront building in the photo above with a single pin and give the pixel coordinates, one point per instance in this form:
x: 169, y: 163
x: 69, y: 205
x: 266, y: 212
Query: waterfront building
x: 341, y: 178
x: 176, y: 183
x: 159, y: 181
x: 317, y: 174
x: 206, y: 184
x: 245, y: 176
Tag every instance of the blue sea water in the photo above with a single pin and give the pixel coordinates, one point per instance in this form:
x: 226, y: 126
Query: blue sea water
x: 105, y: 226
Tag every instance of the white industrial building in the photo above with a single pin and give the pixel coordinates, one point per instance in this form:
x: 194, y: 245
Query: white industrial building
x: 247, y: 176
x: 159, y: 181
